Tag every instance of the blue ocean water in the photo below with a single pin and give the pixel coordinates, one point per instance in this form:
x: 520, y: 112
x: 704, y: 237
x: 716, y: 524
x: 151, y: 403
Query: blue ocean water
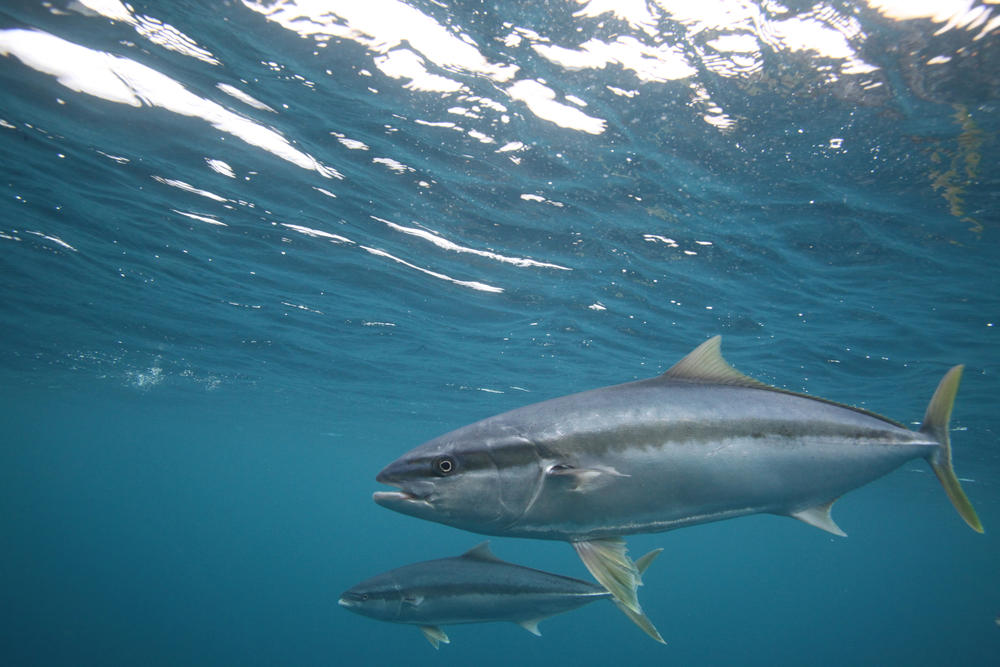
x: 250, y: 252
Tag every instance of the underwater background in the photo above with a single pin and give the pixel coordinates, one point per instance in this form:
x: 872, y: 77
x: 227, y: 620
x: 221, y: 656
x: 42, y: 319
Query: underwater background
x: 251, y: 252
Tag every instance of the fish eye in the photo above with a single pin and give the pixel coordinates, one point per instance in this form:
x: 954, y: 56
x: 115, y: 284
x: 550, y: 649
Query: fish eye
x: 444, y: 465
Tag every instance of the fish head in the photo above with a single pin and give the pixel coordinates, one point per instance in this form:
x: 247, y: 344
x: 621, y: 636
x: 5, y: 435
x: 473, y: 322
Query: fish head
x: 379, y: 597
x: 460, y: 479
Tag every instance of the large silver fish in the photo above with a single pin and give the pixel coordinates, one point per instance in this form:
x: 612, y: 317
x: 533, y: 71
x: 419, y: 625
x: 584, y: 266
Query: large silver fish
x: 700, y: 443
x: 477, y: 587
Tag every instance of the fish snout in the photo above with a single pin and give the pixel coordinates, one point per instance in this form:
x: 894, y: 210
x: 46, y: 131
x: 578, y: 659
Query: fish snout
x: 397, y: 473
x: 352, y: 599
x: 400, y: 474
x: 388, y: 474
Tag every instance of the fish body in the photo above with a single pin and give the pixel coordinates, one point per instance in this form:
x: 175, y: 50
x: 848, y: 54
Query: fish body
x: 700, y: 443
x: 476, y: 587
x: 651, y: 456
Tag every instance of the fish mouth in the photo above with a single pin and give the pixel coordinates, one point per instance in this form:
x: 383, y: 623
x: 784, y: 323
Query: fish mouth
x: 390, y: 498
x: 408, y: 493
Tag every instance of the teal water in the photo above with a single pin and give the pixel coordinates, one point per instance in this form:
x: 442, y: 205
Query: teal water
x: 251, y: 253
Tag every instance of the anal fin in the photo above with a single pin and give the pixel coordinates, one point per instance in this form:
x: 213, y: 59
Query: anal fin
x: 434, y: 635
x: 819, y: 516
x: 607, y: 559
x: 531, y: 625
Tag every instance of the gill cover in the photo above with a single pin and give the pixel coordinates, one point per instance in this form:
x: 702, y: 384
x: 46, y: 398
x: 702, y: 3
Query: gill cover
x: 476, y: 478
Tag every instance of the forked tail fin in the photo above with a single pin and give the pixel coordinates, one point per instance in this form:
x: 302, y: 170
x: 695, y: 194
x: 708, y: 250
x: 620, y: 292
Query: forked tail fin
x: 936, y: 426
x: 639, y: 617
x: 607, y: 559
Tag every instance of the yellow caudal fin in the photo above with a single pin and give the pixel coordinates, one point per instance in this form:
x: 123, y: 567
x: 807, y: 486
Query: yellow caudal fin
x: 640, y: 619
x: 434, y: 635
x: 642, y: 564
x: 607, y: 559
x: 936, y: 426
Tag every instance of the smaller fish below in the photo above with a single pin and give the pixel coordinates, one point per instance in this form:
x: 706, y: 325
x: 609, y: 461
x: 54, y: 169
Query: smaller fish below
x: 478, y: 587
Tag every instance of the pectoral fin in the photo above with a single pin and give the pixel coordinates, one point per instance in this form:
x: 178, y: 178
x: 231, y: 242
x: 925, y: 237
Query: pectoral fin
x: 607, y: 559
x: 434, y: 635
x: 583, y: 479
x: 819, y: 516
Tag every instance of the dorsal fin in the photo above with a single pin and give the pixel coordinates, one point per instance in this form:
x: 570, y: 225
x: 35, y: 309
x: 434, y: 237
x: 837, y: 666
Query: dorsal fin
x: 705, y: 364
x: 481, y: 552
